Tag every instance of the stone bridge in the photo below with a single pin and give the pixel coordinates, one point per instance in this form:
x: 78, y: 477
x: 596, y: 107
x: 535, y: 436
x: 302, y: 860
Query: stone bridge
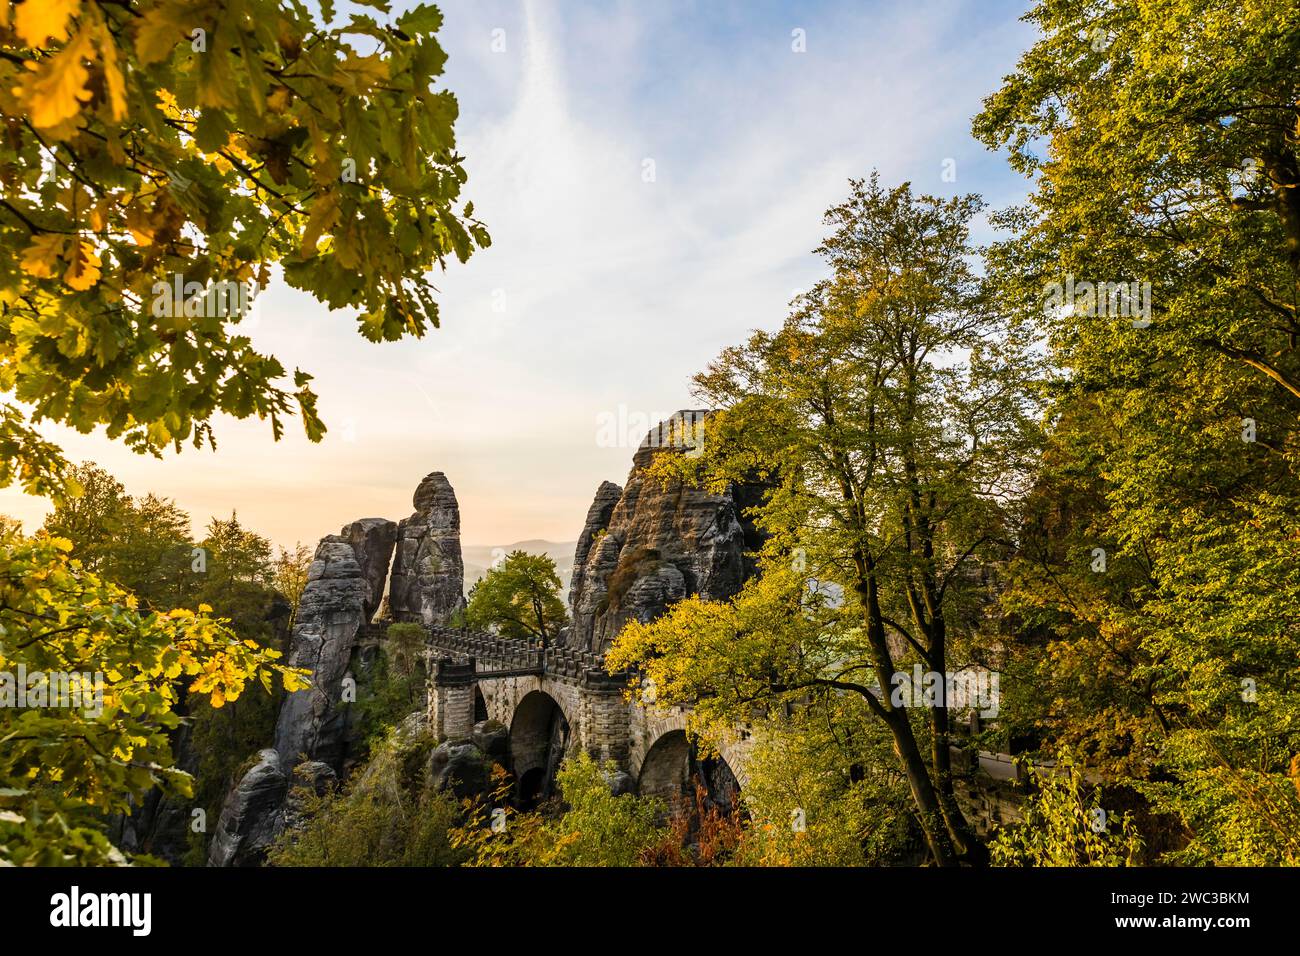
x: 557, y: 701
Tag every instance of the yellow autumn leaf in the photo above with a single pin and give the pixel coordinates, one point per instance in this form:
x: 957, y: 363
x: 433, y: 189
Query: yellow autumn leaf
x: 140, y: 223
x: 279, y: 99
x: 83, y: 271
x: 167, y: 103
x: 99, y: 215
x: 56, y: 88
x: 159, y: 30
x: 41, y: 257
x: 324, y: 213
x: 362, y: 72
x: 113, y: 78
x: 38, y: 20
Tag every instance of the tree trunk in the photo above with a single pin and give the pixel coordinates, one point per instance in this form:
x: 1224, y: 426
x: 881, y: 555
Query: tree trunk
x: 929, y: 810
x: 963, y: 837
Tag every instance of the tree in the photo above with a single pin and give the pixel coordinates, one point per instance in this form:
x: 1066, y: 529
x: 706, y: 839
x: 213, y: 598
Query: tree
x: 1171, y: 156
x: 289, y: 575
x: 1161, y: 138
x: 72, y: 756
x: 893, y: 414
x: 94, y: 520
x: 143, y: 546
x: 154, y: 558
x: 822, y: 788
x: 519, y: 598
x: 236, y: 554
x: 162, y: 161
x: 202, y: 145
x: 1079, y: 674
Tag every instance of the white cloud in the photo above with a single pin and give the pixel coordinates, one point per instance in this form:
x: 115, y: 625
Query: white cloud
x: 615, y: 290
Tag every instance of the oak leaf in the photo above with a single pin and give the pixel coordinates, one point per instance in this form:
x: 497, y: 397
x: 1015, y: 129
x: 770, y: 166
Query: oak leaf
x: 324, y: 213
x: 83, y: 271
x: 56, y: 87
x: 113, y: 78
x: 40, y: 257
x: 160, y: 29
x: 39, y: 20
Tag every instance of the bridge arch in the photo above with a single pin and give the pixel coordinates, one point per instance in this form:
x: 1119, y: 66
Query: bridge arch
x: 540, y: 732
x: 673, y: 764
x: 665, y: 771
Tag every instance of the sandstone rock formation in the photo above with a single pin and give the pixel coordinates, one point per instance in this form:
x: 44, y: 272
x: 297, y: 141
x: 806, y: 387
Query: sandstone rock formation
x: 345, y: 587
x: 261, y: 805
x: 330, y: 617
x: 252, y: 816
x: 493, y: 738
x: 428, y: 571
x: 461, y: 768
x: 372, y: 541
x: 660, y: 544
x: 597, y: 523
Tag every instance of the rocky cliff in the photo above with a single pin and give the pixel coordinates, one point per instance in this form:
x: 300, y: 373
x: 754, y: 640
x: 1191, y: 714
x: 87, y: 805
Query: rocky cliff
x: 331, y: 614
x: 596, y: 525
x: 372, y: 541
x: 428, y: 571
x: 647, y: 545
x: 345, y: 587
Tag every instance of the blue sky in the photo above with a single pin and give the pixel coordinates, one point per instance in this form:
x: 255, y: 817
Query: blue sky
x: 605, y: 289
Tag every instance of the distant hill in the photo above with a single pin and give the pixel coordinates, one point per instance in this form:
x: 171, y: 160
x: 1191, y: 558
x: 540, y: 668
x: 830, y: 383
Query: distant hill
x: 478, y: 558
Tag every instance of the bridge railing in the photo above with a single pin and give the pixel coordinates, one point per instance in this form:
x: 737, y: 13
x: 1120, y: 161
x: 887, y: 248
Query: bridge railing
x: 494, y: 652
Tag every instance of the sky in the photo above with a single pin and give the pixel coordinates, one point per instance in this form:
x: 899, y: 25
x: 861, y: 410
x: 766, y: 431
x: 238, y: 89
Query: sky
x: 653, y: 177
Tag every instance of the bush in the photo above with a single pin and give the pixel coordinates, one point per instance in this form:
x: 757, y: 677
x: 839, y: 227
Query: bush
x: 595, y: 828
x: 825, y: 793
x: 1065, y: 825
x: 394, y: 688
x: 388, y: 816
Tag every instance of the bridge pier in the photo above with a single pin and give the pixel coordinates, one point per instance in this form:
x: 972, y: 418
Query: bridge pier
x: 451, y: 699
x: 603, y: 713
